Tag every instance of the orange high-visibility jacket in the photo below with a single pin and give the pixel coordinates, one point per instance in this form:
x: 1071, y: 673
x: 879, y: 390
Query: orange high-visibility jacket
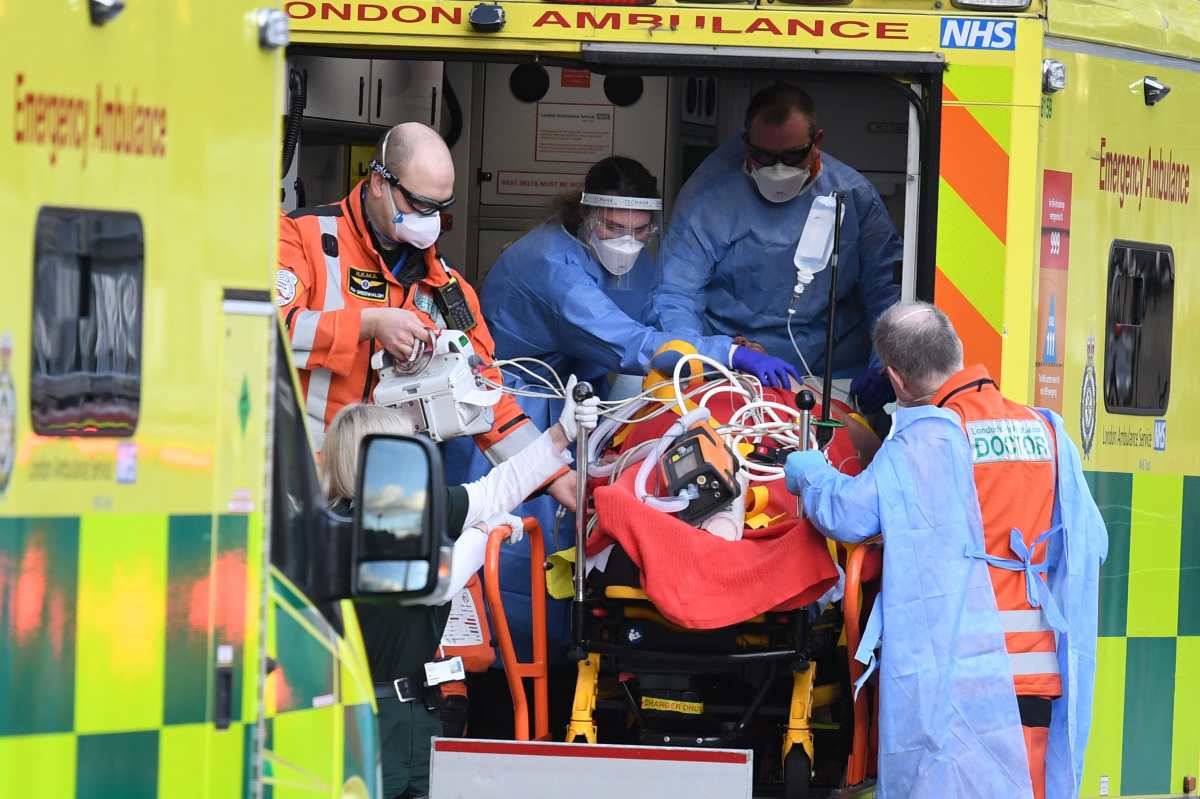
x: 1014, y: 451
x: 328, y: 273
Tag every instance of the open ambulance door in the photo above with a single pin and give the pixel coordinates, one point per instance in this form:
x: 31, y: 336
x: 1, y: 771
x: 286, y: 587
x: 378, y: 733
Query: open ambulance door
x: 517, y: 126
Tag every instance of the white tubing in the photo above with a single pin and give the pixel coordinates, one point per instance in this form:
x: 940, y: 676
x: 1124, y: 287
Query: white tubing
x: 679, y: 373
x: 667, y: 504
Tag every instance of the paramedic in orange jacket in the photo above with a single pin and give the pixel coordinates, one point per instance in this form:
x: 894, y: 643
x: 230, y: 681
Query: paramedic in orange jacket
x: 364, y: 273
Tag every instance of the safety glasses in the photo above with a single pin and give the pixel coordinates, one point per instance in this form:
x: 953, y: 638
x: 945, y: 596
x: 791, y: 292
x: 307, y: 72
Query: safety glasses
x: 425, y: 206
x: 616, y: 228
x: 768, y: 158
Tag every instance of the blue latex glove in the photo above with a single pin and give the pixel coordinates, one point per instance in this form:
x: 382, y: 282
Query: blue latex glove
x: 665, y: 361
x: 772, y: 371
x: 798, y: 464
x: 872, y: 390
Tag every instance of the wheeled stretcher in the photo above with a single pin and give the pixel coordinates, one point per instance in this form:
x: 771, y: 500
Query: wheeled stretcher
x: 773, y: 677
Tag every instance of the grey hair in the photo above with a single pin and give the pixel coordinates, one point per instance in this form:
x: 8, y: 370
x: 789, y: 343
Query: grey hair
x: 917, y: 341
x: 339, y: 454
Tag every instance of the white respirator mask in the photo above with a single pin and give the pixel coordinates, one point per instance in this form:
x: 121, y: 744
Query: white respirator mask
x: 616, y: 255
x: 415, y: 229
x: 624, y: 217
x: 780, y: 183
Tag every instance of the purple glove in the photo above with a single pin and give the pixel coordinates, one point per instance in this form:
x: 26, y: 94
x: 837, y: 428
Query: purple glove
x: 872, y: 390
x: 772, y: 371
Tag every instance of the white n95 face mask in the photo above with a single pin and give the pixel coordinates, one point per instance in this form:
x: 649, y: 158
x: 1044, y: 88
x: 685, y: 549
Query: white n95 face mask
x: 616, y: 255
x: 779, y: 183
x: 419, y: 231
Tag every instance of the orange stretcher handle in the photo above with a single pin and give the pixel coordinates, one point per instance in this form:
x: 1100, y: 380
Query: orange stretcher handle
x: 856, y: 767
x: 514, y: 670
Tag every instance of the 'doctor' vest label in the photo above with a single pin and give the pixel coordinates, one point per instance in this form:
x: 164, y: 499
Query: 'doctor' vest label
x: 994, y: 440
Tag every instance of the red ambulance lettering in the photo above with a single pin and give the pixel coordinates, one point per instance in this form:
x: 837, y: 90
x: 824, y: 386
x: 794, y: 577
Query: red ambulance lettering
x: 891, y: 30
x: 763, y: 24
x: 838, y: 29
x: 380, y: 13
x: 585, y: 19
x: 815, y: 29
x: 650, y: 20
x: 330, y: 10
x: 300, y: 10
x: 408, y: 14
x: 719, y: 26
x: 552, y: 18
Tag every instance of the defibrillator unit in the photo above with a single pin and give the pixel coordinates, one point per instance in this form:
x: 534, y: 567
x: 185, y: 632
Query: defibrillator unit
x: 447, y: 398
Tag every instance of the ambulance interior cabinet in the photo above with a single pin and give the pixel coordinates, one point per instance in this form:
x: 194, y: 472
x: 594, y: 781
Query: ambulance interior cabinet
x: 373, y: 91
x: 338, y: 88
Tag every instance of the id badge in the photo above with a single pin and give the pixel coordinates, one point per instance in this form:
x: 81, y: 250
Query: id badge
x: 440, y: 671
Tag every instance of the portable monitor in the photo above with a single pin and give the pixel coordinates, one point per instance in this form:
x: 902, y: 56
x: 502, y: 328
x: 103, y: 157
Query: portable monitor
x: 700, y: 465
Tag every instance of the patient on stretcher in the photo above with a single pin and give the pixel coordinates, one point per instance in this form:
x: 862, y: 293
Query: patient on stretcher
x: 733, y: 558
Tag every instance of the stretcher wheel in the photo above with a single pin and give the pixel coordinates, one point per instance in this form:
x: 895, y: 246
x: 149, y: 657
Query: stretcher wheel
x: 797, y: 774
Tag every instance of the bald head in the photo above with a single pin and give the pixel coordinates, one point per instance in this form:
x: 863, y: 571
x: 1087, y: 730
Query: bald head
x: 919, y: 347
x: 421, y: 163
x: 419, y: 159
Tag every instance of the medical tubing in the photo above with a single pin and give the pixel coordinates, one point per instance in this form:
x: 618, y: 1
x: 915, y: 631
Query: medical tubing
x: 629, y: 457
x: 678, y: 373
x: 825, y: 432
x: 671, y: 504
x: 803, y: 362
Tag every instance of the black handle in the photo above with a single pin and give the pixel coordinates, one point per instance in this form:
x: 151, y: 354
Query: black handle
x: 379, y: 98
x: 223, y: 712
x: 805, y: 400
x: 583, y: 391
x: 362, y: 85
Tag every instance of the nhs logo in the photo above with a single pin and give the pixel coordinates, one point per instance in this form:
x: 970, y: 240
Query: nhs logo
x: 963, y: 33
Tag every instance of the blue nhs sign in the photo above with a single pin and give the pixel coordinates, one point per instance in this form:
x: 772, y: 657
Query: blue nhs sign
x: 973, y: 33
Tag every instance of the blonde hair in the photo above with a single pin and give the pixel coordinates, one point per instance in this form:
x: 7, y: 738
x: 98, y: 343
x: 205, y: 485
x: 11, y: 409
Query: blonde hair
x: 342, y: 439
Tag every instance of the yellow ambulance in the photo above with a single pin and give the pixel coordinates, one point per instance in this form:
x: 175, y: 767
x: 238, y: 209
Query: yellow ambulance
x: 173, y: 596
x: 1036, y: 156
x: 160, y: 633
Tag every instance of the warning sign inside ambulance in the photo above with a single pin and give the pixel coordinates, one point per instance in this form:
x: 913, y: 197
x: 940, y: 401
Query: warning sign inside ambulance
x: 675, y: 24
x: 469, y: 769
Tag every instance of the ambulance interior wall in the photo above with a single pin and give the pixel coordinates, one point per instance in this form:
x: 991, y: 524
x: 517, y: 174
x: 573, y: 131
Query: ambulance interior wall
x: 670, y: 128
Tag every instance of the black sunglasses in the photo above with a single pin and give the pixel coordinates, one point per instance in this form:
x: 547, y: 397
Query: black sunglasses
x: 425, y: 206
x: 768, y: 158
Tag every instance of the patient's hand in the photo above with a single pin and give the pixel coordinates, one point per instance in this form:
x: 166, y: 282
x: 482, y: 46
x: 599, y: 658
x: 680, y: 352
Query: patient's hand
x: 742, y: 341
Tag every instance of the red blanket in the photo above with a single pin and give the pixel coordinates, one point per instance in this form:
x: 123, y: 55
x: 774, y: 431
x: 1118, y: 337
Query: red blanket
x: 700, y: 581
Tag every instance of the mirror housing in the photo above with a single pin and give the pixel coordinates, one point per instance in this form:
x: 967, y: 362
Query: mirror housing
x: 399, y: 548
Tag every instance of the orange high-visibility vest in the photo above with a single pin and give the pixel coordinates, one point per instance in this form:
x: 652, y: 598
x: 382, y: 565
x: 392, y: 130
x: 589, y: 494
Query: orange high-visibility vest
x: 1014, y: 452
x: 329, y: 272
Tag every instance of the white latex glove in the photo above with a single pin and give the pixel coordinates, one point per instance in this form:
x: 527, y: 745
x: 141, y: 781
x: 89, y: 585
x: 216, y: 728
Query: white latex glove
x: 578, y: 415
x: 501, y: 520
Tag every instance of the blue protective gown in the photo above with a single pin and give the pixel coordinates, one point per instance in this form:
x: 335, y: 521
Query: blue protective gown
x: 547, y: 297
x: 727, y: 263
x: 949, y: 724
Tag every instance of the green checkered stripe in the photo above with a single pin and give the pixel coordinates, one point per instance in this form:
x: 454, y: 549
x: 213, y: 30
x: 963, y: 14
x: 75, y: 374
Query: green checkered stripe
x: 1145, y: 736
x: 108, y: 660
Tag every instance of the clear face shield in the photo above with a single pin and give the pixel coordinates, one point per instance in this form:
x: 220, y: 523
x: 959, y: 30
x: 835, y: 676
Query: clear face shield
x: 618, y: 228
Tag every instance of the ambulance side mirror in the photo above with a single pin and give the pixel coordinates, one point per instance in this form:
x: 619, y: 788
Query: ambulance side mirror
x: 398, y: 545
